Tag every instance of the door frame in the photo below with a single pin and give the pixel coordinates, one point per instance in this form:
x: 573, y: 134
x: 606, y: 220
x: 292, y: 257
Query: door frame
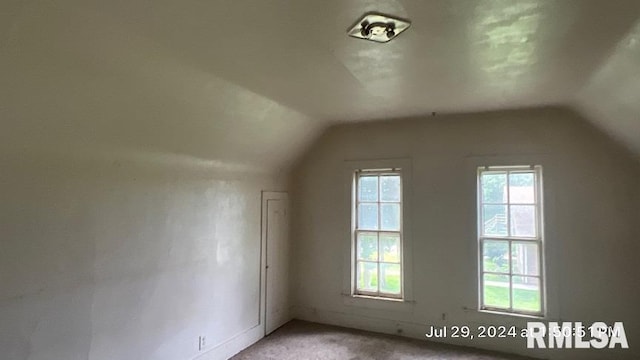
x: 265, y: 197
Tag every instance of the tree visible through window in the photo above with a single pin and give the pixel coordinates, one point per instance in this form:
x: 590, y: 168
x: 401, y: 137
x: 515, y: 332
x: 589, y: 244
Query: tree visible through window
x: 510, y: 239
x: 378, y: 233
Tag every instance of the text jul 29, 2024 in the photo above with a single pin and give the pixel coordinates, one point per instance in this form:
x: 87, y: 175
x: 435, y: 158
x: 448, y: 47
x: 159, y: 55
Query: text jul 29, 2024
x: 551, y: 335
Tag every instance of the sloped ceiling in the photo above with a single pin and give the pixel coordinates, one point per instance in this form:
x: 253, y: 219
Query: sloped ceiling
x: 251, y: 82
x: 611, y: 97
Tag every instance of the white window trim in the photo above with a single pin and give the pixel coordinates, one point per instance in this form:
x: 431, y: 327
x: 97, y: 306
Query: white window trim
x: 538, y: 239
x: 379, y: 173
x: 375, y: 302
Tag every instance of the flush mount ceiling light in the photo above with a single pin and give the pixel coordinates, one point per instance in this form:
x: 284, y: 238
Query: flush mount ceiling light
x: 378, y: 27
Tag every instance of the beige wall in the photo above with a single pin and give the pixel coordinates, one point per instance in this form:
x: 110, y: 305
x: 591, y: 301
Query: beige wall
x: 592, y: 194
x: 127, y: 258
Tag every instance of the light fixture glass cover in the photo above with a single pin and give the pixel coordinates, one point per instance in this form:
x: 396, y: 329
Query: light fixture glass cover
x: 378, y: 27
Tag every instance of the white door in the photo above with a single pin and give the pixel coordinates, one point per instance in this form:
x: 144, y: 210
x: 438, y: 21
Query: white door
x: 277, y: 261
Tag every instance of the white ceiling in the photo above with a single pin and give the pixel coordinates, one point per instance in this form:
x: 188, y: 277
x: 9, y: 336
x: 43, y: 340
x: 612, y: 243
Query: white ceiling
x: 253, y: 81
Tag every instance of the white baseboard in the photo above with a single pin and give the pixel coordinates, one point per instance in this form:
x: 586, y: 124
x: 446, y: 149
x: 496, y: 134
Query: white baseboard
x: 234, y: 345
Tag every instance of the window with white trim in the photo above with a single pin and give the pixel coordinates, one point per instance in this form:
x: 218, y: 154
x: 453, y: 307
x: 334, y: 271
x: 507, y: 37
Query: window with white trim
x: 377, y: 233
x: 510, y: 240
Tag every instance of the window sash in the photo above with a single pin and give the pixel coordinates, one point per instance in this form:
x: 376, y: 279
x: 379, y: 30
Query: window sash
x: 510, y: 239
x: 510, y: 274
x: 358, y: 230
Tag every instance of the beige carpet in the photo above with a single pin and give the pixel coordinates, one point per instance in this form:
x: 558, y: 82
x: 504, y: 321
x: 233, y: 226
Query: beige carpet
x: 300, y: 340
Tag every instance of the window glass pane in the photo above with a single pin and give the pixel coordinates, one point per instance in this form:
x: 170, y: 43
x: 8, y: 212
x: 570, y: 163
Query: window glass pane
x: 523, y: 220
x: 494, y: 187
x: 494, y: 220
x: 525, y: 258
x: 495, y: 256
x: 521, y: 188
x: 390, y: 188
x: 390, y: 247
x: 368, y: 246
x: 367, y: 276
x: 368, y: 216
x: 496, y: 291
x: 368, y: 188
x: 390, y: 278
x: 526, y: 293
x: 390, y: 214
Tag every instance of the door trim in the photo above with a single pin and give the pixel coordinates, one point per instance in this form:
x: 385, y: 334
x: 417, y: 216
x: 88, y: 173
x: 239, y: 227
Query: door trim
x: 265, y: 196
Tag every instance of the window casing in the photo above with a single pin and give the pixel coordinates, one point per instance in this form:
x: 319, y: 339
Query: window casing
x: 377, y: 233
x: 510, y: 240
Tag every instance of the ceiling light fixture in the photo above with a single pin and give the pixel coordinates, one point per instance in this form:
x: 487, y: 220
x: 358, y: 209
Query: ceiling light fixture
x: 378, y: 27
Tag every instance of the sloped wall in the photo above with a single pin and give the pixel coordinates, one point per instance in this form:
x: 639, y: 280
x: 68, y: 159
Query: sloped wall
x: 611, y: 96
x: 591, y: 207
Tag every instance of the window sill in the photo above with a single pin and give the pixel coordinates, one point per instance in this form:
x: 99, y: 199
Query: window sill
x: 382, y: 298
x: 378, y: 303
x: 513, y: 314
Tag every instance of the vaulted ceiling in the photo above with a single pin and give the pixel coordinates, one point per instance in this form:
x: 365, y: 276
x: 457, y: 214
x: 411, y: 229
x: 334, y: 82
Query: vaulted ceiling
x: 251, y: 82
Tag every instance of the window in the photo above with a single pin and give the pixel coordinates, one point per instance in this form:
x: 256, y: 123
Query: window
x: 510, y: 239
x: 378, y: 233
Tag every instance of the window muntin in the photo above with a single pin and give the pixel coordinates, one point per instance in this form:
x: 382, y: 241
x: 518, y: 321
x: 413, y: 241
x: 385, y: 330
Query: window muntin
x: 378, y: 233
x: 510, y: 239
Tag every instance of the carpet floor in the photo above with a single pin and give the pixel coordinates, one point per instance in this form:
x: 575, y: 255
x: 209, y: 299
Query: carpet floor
x: 301, y: 340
